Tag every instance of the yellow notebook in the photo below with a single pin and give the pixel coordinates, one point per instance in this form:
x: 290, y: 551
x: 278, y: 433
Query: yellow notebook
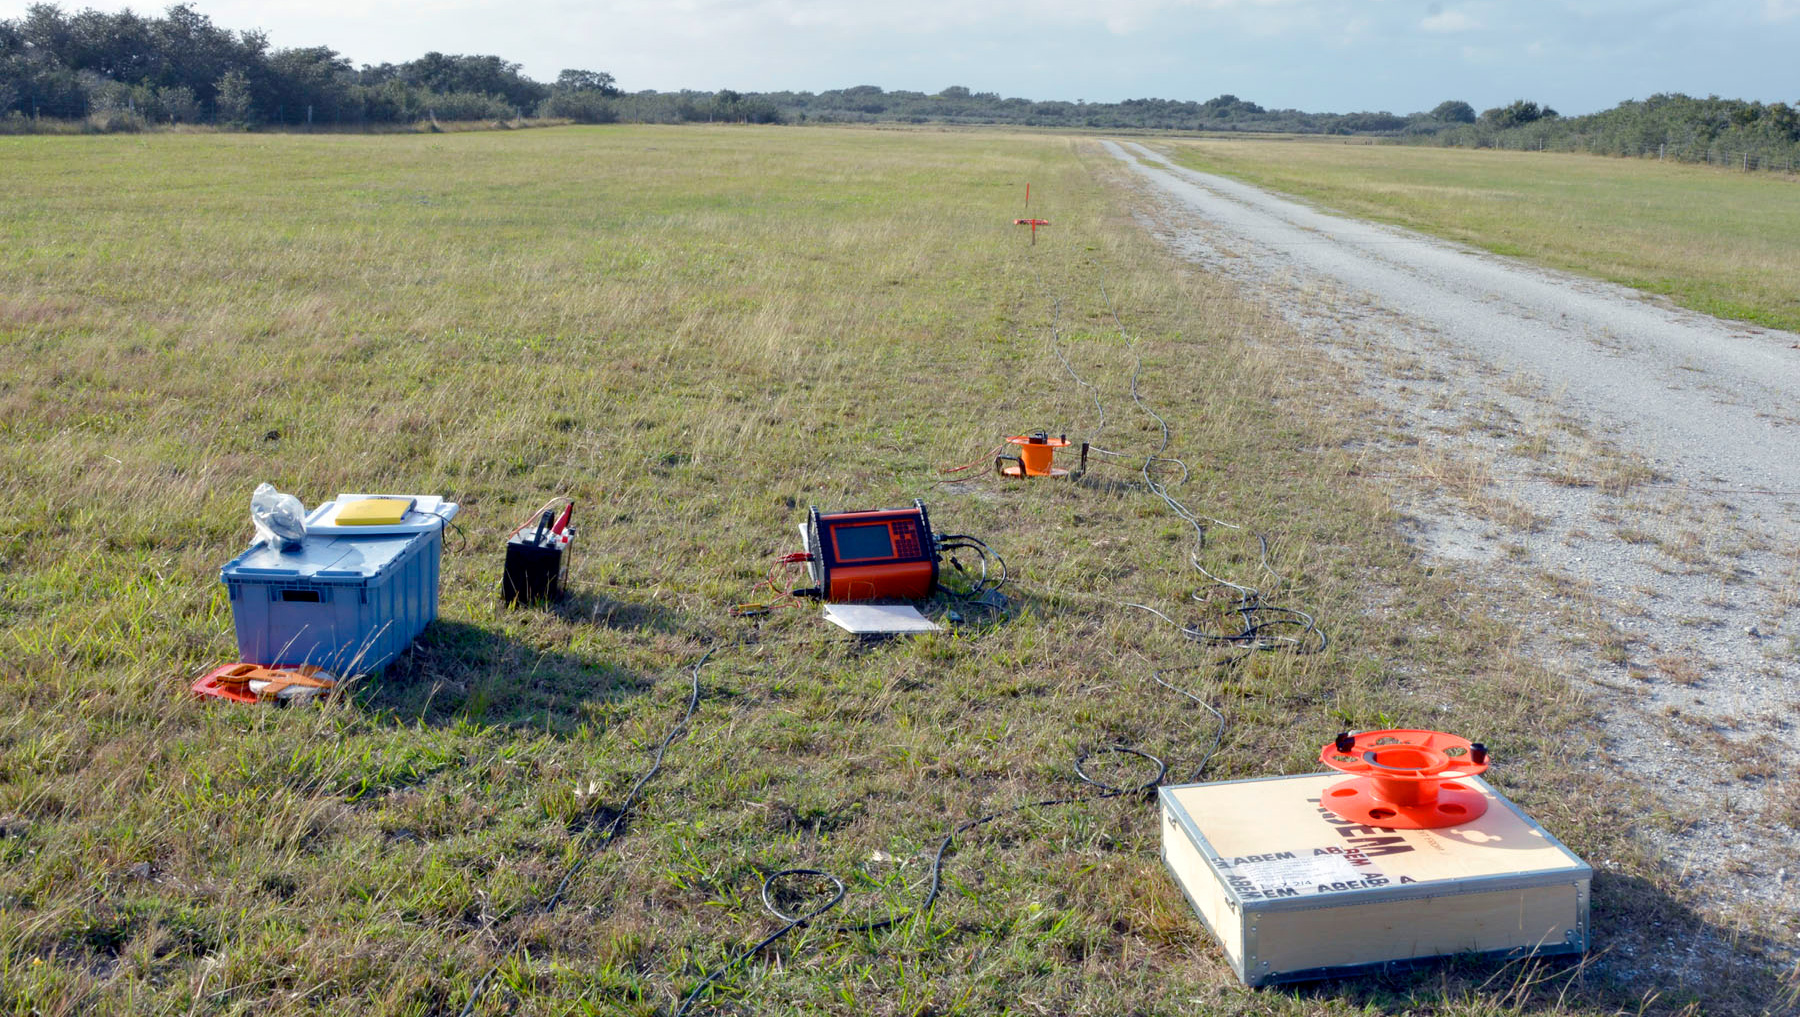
x: 373, y: 512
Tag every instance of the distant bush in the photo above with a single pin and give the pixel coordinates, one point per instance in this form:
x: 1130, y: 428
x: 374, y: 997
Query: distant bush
x: 588, y: 106
x: 178, y: 105
x: 1516, y: 114
x: 116, y: 121
x: 84, y: 67
x: 236, y: 107
x: 465, y: 106
x: 1453, y: 111
x: 727, y: 106
x: 1366, y: 123
x: 91, y: 69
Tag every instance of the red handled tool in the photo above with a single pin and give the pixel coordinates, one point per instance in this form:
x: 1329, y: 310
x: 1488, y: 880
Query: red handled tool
x: 232, y: 682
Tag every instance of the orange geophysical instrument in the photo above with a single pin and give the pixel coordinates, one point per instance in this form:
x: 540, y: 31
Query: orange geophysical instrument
x: 889, y: 554
x: 878, y: 554
x: 892, y: 554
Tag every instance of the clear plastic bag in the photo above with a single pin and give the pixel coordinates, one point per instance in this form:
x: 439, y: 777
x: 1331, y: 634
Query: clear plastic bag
x: 280, y: 519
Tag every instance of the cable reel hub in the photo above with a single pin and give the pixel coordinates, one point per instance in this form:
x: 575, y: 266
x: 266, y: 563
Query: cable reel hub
x: 1405, y: 779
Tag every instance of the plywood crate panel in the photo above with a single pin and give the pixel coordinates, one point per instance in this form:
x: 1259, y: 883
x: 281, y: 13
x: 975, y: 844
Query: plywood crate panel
x: 1293, y: 891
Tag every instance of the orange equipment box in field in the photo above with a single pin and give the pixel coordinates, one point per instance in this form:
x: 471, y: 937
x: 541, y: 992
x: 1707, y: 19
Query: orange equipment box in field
x: 881, y: 554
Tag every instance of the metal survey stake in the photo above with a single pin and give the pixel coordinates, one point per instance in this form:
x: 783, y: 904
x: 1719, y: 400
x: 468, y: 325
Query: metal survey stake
x: 1034, y: 224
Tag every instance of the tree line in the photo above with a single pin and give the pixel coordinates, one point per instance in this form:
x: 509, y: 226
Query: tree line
x: 124, y: 71
x: 119, y: 71
x: 1752, y: 135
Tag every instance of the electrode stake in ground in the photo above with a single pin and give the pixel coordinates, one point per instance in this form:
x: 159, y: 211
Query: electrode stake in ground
x: 1034, y: 224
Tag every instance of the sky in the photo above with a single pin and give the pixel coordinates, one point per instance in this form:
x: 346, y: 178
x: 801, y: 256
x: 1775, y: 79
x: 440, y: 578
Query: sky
x: 1402, y: 56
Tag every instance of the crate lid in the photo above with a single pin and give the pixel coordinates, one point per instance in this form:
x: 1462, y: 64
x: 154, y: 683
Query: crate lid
x: 1272, y: 842
x: 352, y: 559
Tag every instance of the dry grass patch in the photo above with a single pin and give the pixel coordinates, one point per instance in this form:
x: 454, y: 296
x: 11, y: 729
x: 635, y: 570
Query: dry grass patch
x: 1680, y: 668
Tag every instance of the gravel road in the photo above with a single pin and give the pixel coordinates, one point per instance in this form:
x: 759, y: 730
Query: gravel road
x: 1636, y: 470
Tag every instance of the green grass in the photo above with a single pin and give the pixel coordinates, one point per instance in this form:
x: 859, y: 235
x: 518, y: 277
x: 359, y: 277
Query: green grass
x: 696, y: 333
x: 1711, y: 240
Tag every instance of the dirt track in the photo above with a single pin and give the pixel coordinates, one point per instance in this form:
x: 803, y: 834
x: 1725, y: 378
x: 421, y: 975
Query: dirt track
x: 1635, y: 462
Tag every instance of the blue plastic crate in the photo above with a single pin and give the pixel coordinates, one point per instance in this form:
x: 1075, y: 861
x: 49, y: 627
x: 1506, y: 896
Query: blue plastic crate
x: 348, y: 604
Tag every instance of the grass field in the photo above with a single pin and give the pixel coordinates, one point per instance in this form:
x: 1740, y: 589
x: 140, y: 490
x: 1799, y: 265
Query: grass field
x: 694, y: 332
x: 1709, y: 239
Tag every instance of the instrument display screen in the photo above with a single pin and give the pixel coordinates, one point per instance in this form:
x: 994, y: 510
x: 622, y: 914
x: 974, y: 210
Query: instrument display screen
x: 862, y: 543
x: 877, y: 554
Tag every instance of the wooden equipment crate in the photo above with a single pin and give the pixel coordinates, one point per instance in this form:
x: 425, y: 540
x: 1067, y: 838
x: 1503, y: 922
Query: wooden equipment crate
x: 1292, y: 891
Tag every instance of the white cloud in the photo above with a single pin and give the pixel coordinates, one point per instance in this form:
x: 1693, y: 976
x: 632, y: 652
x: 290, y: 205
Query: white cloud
x: 1781, y: 10
x: 1450, y: 21
x: 1355, y: 31
x: 1121, y: 17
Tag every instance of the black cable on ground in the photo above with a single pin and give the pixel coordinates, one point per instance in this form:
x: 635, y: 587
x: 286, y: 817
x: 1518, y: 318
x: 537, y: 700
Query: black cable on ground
x: 1105, y: 791
x: 611, y: 830
x: 1155, y: 486
x: 1265, y: 626
x: 1056, y: 348
x: 769, y: 940
x: 950, y: 543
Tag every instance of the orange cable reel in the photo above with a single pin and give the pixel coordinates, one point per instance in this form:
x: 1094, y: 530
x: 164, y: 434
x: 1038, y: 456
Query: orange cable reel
x: 1036, y: 456
x: 1405, y: 779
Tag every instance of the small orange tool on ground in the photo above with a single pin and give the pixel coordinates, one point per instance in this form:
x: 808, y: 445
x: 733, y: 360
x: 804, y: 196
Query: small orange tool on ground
x: 1034, y: 224
x: 1405, y: 780
x: 233, y: 682
x: 1036, y: 453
